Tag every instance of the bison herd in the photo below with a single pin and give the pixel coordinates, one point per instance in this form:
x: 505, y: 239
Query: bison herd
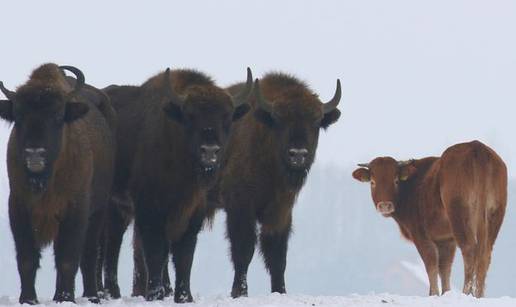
x: 83, y: 163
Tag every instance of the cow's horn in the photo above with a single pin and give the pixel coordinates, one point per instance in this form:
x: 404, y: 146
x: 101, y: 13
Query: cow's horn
x: 334, y: 102
x: 243, y: 96
x: 9, y: 94
x: 406, y: 162
x: 366, y: 165
x: 79, y: 76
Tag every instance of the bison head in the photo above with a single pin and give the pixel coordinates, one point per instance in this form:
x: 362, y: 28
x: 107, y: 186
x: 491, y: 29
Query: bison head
x: 207, y: 113
x: 294, y: 116
x: 386, y: 176
x: 39, y: 112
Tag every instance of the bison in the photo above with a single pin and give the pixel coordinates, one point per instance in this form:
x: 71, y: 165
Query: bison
x: 441, y: 202
x: 171, y: 138
x: 60, y: 165
x: 268, y: 158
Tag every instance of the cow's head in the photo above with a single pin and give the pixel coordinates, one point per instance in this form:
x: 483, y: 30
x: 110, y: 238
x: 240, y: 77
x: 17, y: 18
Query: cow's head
x: 294, y: 115
x: 39, y: 112
x: 207, y: 113
x: 386, y: 177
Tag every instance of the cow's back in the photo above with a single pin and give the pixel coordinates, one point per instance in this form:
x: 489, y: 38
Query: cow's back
x: 472, y: 174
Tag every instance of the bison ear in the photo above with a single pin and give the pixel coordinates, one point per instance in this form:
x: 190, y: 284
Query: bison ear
x: 6, y: 110
x: 407, y: 171
x: 240, y: 111
x: 330, y: 118
x: 264, y: 117
x: 362, y: 174
x: 174, y: 112
x: 75, y: 110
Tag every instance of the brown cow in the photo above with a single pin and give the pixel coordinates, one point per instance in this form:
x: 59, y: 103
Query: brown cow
x: 269, y: 156
x: 60, y: 165
x: 438, y: 203
x: 171, y: 136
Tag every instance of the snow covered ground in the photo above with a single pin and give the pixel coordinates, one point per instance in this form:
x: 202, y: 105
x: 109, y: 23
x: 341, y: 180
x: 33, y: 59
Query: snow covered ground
x: 454, y: 299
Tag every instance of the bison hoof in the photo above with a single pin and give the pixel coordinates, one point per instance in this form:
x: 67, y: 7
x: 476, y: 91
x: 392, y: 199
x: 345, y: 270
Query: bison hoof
x: 168, y: 291
x: 30, y: 301
x: 64, y: 297
x: 94, y: 299
x: 155, y: 294
x: 183, y: 297
x: 112, y: 293
x: 238, y: 292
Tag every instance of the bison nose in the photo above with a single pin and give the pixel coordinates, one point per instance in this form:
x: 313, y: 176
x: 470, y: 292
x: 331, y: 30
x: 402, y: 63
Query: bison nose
x: 297, y: 156
x: 210, y: 155
x: 35, y: 159
x: 385, y: 207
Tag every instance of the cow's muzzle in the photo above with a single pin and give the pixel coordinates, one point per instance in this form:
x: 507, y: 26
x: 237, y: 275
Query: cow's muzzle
x: 386, y: 208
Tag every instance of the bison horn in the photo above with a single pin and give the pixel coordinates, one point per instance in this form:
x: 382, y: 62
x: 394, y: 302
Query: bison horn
x: 262, y: 103
x: 334, y: 102
x: 241, y: 98
x: 79, y: 83
x: 366, y: 165
x: 174, y: 98
x: 9, y: 94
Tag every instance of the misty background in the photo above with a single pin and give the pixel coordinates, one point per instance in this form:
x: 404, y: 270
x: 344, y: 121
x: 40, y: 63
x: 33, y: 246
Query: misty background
x: 417, y: 77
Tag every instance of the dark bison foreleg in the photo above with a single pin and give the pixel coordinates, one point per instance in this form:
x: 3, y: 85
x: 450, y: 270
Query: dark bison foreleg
x: 27, y: 254
x: 183, y: 253
x: 90, y: 256
x: 241, y: 228
x: 155, y: 251
x: 139, y: 270
x: 68, y: 248
x: 274, y: 249
x: 117, y: 223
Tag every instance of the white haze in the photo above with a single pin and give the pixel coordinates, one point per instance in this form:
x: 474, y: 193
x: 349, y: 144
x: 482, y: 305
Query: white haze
x: 417, y: 77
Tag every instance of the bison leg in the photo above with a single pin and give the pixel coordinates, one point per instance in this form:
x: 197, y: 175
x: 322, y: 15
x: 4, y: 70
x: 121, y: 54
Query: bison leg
x: 182, y: 256
x: 90, y: 256
x: 241, y: 228
x: 27, y: 254
x: 139, y: 270
x: 68, y: 248
x: 446, y: 251
x: 167, y: 285
x: 274, y: 249
x: 155, y: 251
x: 428, y: 252
x: 117, y: 224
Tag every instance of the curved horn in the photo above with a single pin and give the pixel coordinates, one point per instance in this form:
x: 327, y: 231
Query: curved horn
x: 174, y: 98
x: 366, y: 165
x: 334, y: 102
x: 406, y: 162
x: 9, y: 94
x: 241, y: 98
x: 262, y: 103
x: 79, y: 76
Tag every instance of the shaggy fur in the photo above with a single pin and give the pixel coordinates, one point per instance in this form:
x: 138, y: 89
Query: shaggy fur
x: 439, y: 203
x: 66, y: 204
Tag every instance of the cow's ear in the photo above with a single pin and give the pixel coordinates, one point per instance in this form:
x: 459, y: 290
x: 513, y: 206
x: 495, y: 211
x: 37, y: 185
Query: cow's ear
x: 6, y: 110
x: 330, y: 118
x: 362, y: 174
x: 264, y: 117
x: 174, y: 112
x: 407, y: 171
x: 240, y: 111
x: 75, y: 110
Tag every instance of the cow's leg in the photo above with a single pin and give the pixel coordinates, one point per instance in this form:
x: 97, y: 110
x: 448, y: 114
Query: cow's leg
x: 27, y: 254
x: 68, y: 248
x: 241, y: 229
x: 446, y: 251
x: 155, y: 251
x: 428, y: 252
x: 465, y: 237
x: 89, y: 260
x: 118, y: 221
x: 274, y: 248
x: 182, y: 256
x: 494, y: 222
x: 139, y: 270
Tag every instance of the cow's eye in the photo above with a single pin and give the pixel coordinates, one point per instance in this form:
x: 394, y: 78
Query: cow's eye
x: 396, y: 181
x: 373, y: 183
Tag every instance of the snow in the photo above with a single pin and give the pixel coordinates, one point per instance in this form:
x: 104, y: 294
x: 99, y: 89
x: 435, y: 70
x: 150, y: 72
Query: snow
x: 453, y: 299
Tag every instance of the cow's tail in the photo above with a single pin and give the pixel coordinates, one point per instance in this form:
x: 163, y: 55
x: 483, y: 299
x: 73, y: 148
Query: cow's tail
x: 483, y: 253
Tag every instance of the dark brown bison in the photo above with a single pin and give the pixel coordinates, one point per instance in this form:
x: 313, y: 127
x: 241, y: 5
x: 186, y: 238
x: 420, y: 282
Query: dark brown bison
x: 60, y: 164
x: 172, y: 133
x: 268, y: 158
x: 438, y: 203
